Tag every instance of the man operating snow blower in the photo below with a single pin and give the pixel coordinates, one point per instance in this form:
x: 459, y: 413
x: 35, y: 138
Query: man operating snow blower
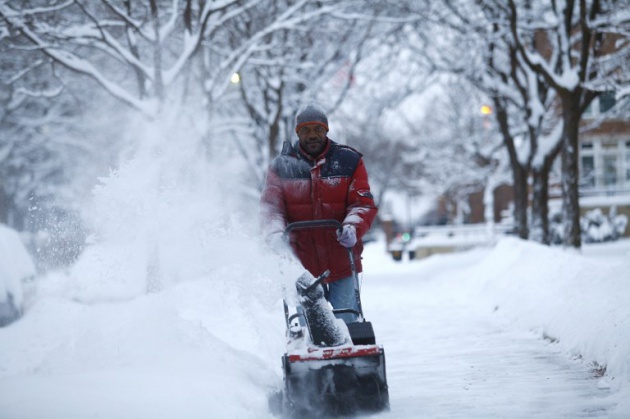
x: 319, y: 179
x: 317, y: 198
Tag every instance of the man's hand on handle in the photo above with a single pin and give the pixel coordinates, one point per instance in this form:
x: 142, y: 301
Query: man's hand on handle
x: 347, y: 236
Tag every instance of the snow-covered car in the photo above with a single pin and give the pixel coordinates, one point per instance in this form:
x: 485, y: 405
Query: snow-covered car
x: 16, y: 267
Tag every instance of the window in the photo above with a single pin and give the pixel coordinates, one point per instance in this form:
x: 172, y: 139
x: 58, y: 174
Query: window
x: 588, y: 172
x: 589, y: 112
x: 606, y: 101
x: 610, y: 170
x: 605, y: 164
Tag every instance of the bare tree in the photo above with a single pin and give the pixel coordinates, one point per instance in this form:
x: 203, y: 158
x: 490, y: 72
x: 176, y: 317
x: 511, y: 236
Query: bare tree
x: 154, y: 41
x: 565, y: 46
x: 527, y: 65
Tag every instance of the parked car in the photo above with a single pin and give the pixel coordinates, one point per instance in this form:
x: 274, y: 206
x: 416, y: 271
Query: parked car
x: 16, y: 267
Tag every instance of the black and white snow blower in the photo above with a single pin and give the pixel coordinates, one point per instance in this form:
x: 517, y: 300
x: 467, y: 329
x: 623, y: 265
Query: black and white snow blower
x: 331, y: 368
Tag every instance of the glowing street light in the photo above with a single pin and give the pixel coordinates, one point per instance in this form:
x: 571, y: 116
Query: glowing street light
x: 236, y: 78
x: 486, y: 110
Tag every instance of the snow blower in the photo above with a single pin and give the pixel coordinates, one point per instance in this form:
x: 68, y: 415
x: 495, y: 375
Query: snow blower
x: 330, y: 367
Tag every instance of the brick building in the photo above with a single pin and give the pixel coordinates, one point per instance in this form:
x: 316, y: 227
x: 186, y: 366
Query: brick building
x: 604, y: 169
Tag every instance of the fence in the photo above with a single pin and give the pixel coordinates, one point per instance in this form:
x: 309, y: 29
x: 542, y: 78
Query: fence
x: 429, y: 240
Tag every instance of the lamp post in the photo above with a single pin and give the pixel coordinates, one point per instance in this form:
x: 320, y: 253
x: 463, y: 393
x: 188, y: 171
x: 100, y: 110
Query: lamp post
x: 488, y: 196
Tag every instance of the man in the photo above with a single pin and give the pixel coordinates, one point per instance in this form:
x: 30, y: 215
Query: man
x: 318, y: 179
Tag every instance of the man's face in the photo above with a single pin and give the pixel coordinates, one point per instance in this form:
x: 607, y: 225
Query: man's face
x: 312, y: 139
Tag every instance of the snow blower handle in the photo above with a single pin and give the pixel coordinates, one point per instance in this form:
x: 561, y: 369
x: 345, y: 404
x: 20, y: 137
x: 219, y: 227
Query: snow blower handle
x: 319, y: 280
x: 303, y: 225
x: 305, y: 289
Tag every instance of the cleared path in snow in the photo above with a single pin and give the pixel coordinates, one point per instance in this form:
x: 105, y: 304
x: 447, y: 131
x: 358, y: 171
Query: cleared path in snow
x: 448, y: 356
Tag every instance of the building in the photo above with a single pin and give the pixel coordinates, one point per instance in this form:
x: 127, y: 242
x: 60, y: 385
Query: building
x: 604, y: 172
x: 605, y: 159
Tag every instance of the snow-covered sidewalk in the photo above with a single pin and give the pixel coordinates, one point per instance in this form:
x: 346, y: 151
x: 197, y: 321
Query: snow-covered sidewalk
x: 463, y: 342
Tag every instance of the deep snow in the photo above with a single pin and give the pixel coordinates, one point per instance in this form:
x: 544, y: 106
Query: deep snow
x: 211, y: 347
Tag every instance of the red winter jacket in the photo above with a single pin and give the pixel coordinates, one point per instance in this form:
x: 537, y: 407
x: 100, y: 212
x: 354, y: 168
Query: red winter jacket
x: 333, y: 186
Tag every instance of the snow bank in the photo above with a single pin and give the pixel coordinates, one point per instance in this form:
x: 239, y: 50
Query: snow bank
x: 204, y: 347
x: 201, y: 349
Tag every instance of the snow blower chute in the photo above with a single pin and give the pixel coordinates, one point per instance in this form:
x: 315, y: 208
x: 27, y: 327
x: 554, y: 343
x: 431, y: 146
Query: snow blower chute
x: 328, y: 370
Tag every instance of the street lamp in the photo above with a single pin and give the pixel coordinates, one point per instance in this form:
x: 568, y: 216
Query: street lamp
x: 486, y: 111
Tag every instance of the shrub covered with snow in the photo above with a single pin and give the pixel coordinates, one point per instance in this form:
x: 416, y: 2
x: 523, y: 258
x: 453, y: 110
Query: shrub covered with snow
x: 16, y: 266
x: 596, y: 227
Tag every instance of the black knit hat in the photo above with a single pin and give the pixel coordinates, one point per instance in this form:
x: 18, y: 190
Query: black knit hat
x: 311, y: 113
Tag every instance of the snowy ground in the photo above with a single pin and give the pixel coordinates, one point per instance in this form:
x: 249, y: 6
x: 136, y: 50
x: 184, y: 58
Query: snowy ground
x: 463, y: 336
x: 466, y: 337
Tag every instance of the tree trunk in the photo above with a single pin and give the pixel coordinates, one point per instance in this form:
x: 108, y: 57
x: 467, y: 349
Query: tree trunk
x: 570, y: 170
x: 158, y: 82
x: 540, y: 204
x: 540, y: 199
x: 521, y: 200
x: 520, y: 173
x: 274, y: 128
x: 132, y: 42
x: 4, y: 205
